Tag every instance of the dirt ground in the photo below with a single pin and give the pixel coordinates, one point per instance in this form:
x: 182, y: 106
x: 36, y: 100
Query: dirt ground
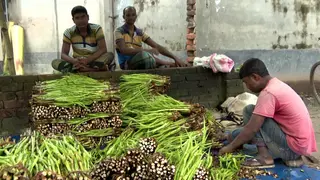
x: 314, y: 110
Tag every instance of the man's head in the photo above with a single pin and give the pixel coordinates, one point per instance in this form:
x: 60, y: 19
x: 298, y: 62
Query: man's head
x: 80, y: 16
x: 130, y: 15
x: 254, y: 74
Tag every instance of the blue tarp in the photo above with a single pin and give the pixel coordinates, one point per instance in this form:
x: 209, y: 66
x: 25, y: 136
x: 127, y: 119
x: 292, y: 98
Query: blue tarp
x: 286, y: 173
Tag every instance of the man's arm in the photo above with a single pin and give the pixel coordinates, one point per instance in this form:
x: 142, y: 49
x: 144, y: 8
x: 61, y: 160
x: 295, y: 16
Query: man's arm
x: 125, y: 50
x: 162, y: 50
x: 265, y: 108
x: 65, y: 53
x: 248, y: 131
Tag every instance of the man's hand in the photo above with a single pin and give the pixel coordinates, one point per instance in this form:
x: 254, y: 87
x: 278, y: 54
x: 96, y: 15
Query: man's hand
x: 78, y: 65
x: 180, y: 63
x: 84, y: 61
x: 226, y: 149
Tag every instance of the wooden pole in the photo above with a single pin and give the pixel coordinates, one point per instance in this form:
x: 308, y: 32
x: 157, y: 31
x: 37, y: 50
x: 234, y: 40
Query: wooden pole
x: 7, y: 50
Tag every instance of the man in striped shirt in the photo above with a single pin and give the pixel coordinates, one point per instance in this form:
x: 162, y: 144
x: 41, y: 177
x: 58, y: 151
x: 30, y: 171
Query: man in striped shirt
x: 88, y: 45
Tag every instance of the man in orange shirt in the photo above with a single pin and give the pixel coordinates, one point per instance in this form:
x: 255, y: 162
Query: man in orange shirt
x: 279, y: 125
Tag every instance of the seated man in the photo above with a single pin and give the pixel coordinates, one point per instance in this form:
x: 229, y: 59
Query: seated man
x: 88, y: 44
x: 129, y: 40
x: 279, y: 124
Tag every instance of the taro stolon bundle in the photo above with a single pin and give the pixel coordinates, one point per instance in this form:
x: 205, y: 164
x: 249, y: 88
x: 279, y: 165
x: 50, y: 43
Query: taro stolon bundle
x: 77, y: 104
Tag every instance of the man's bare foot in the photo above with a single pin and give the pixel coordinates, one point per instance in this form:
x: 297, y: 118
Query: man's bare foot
x: 295, y: 163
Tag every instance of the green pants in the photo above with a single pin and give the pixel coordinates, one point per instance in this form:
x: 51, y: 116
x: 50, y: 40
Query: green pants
x: 105, y: 60
x: 142, y: 60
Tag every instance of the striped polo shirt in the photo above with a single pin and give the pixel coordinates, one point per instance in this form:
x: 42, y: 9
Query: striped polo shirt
x: 83, y: 46
x: 132, y: 40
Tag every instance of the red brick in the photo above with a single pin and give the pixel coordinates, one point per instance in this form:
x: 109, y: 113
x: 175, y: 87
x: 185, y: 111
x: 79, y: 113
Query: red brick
x: 191, y: 2
x: 191, y: 36
x: 190, y: 59
x: 191, y: 48
x: 191, y: 13
x: 189, y: 7
x: 7, y: 113
x: 194, y: 7
x: 190, y: 30
x: 190, y: 18
x: 190, y: 53
x: 191, y: 24
x: 11, y: 104
x: 190, y: 42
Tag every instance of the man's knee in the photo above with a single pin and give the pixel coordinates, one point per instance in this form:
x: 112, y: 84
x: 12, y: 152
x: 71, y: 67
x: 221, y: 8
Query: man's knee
x: 110, y: 57
x: 247, y: 112
x: 55, y: 64
x: 106, y: 58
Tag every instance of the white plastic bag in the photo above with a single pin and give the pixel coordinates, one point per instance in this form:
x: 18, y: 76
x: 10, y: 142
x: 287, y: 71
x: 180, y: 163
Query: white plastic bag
x: 217, y: 62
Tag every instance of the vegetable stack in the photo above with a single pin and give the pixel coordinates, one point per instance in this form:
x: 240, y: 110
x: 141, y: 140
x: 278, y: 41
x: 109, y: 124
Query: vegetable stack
x: 77, y: 104
x: 45, y: 158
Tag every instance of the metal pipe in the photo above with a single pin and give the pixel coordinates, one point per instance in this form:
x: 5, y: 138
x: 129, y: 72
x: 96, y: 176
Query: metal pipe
x: 6, y: 9
x: 57, y: 27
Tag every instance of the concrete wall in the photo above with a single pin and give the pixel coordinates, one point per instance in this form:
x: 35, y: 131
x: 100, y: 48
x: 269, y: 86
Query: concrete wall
x: 196, y: 85
x: 277, y: 31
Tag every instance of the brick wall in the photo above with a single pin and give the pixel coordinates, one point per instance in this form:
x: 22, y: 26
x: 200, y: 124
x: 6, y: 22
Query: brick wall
x: 194, y: 84
x: 191, y: 33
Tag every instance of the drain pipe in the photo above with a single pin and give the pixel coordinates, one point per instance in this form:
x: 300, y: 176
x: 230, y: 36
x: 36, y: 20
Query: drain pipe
x: 6, y: 9
x: 113, y: 24
x: 57, y: 27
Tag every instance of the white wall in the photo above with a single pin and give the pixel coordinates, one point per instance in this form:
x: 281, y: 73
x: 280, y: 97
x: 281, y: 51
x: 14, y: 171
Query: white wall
x: 258, y: 24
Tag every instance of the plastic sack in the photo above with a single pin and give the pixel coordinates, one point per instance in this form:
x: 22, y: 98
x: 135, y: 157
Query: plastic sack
x: 217, y: 62
x: 238, y: 103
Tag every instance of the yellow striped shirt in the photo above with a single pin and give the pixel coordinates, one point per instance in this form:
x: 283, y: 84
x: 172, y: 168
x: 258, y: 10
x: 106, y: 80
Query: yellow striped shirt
x: 83, y: 46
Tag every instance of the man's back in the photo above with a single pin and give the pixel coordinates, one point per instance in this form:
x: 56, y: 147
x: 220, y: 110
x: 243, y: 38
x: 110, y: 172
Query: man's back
x: 290, y: 113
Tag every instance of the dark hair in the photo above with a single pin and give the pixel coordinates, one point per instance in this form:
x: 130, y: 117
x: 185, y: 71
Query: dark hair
x: 253, y: 66
x: 78, y: 9
x: 128, y: 7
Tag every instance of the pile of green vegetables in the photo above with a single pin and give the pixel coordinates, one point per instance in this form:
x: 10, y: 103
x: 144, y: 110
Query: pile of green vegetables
x: 158, y: 137
x: 87, y: 108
